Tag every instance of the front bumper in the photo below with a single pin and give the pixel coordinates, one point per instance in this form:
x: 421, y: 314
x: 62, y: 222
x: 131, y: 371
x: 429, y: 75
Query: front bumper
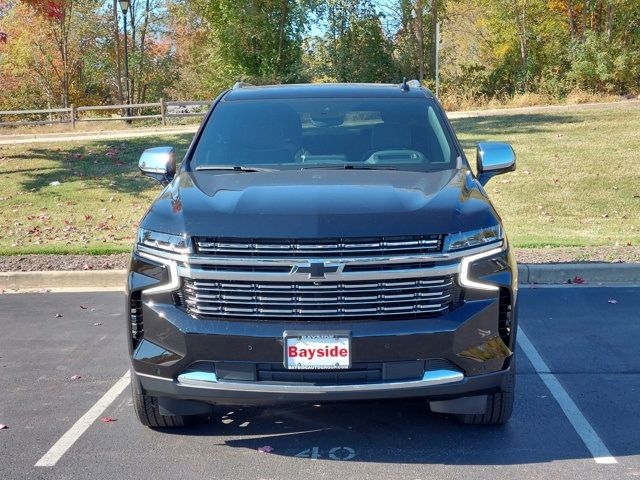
x: 474, y: 342
x: 230, y: 393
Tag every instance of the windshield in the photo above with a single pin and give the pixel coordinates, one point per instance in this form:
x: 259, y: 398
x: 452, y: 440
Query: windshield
x: 402, y: 134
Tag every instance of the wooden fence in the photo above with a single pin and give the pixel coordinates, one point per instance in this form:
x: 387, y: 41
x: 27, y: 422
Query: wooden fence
x: 73, y: 114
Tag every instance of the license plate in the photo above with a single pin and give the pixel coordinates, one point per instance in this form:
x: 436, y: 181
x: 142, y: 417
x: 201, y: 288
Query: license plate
x: 320, y: 351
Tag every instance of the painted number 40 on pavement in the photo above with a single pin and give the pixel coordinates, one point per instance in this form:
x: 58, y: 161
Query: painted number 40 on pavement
x: 336, y: 453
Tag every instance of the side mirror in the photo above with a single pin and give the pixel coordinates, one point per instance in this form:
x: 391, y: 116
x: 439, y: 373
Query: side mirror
x: 494, y: 158
x: 159, y: 163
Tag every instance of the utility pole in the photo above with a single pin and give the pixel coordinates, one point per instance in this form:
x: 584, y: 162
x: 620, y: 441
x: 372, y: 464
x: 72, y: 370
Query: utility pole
x: 437, y: 59
x: 118, y: 56
x: 419, y: 18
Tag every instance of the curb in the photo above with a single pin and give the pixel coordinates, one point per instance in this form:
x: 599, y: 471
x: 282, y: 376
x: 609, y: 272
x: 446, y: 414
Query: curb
x: 553, y: 273
x: 590, y: 272
x: 63, y: 279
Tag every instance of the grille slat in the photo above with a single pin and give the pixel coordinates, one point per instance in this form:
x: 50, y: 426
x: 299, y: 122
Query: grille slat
x: 304, y: 302
x: 353, y: 287
x: 305, y: 248
x: 322, y: 301
x: 378, y: 277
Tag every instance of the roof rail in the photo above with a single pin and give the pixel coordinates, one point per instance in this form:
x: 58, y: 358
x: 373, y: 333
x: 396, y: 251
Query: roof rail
x: 406, y: 86
x: 238, y: 85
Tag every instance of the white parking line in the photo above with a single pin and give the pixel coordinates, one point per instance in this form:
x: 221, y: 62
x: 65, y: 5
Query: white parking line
x: 67, y: 440
x: 583, y: 428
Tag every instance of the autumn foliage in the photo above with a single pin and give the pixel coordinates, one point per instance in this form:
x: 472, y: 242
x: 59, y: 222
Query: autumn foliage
x: 58, y: 52
x: 53, y: 9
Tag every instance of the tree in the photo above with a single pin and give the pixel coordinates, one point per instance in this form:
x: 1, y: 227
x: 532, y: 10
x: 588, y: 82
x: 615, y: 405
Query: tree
x: 355, y: 47
x: 52, y: 46
x: 249, y: 45
x: 198, y: 71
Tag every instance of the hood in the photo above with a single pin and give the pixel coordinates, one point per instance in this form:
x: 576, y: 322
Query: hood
x: 321, y: 204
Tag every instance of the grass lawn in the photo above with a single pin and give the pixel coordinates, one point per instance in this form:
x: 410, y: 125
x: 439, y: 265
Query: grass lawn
x: 96, y: 207
x: 577, y: 184
x: 577, y: 181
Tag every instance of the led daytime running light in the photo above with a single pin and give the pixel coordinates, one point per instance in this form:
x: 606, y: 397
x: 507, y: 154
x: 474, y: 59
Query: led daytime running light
x: 174, y: 280
x: 465, y: 281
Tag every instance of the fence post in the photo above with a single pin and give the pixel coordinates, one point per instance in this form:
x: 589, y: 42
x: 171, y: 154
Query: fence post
x: 73, y: 116
x: 163, y: 111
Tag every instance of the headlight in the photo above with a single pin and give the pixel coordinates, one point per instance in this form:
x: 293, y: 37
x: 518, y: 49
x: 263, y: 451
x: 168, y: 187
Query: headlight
x: 474, y: 238
x: 164, y: 241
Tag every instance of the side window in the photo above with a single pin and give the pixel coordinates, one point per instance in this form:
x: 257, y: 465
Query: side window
x: 436, y: 126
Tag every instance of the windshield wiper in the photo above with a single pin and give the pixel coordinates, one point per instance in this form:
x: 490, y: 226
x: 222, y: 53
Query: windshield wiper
x: 351, y: 167
x: 232, y: 168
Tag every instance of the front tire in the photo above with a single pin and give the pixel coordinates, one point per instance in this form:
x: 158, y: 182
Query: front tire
x: 147, y: 411
x: 499, y: 405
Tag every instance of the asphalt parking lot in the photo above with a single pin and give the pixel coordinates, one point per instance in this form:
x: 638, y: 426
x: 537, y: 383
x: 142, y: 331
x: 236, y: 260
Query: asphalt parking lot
x: 586, y: 336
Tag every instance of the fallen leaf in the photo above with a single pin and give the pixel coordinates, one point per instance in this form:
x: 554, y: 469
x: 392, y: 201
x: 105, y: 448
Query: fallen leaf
x: 3, y: 426
x: 612, y: 300
x: 75, y: 377
x: 266, y: 449
x: 108, y: 419
x: 86, y: 266
x: 58, y: 315
x: 578, y: 280
x: 97, y: 324
x: 83, y: 307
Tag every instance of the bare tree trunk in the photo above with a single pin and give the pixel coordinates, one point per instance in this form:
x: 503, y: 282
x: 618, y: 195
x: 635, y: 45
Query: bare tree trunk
x: 283, y: 22
x: 420, y: 33
x: 572, y: 18
x: 63, y: 47
x: 584, y: 21
x: 132, y: 48
x: 433, y: 46
x: 522, y: 27
x: 609, y: 20
x: 143, y: 37
x: 116, y: 32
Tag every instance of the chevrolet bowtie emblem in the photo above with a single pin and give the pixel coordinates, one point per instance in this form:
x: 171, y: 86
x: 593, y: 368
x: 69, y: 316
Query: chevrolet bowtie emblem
x: 316, y: 269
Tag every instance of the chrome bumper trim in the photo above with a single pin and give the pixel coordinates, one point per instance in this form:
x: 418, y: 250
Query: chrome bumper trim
x: 201, y: 274
x: 209, y: 381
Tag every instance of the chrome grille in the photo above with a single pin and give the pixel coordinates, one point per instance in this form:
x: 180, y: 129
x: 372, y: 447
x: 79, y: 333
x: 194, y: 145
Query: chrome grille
x: 395, y: 298
x: 335, y: 248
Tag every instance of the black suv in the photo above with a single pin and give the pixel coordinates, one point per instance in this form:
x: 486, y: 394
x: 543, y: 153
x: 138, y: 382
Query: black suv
x: 323, y: 243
